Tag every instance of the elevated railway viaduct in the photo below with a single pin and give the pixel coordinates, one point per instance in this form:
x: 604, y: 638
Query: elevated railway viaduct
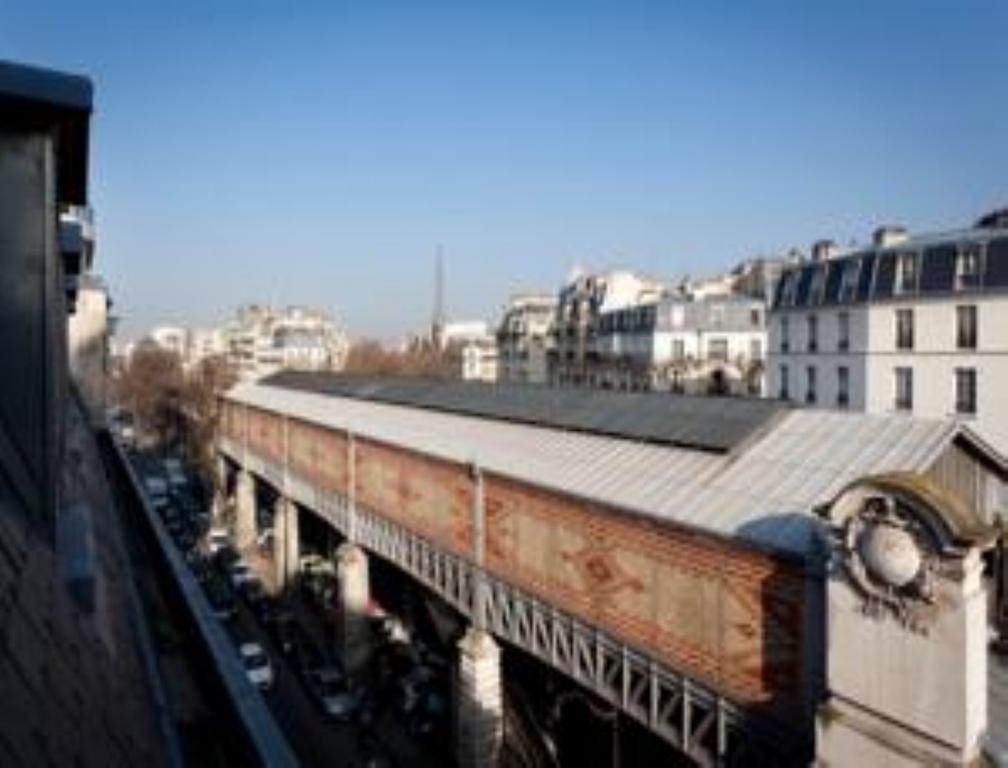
x: 742, y: 578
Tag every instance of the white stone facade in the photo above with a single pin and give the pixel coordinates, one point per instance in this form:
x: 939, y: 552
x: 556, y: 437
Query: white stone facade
x: 261, y: 340
x: 713, y: 345
x: 524, y: 339
x: 930, y: 353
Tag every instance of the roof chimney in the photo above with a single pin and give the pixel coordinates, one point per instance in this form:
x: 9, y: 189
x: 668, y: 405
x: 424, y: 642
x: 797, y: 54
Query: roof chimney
x: 889, y: 235
x: 823, y: 250
x: 994, y: 220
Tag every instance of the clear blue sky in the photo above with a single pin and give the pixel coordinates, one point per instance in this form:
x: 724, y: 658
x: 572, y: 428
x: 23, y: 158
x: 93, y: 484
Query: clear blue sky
x: 243, y: 151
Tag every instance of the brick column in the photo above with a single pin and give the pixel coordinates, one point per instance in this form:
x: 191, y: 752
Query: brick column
x: 245, y: 518
x: 479, y: 707
x: 353, y: 632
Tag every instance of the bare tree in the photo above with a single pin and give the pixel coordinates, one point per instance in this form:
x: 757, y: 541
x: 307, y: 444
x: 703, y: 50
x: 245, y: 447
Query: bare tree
x: 149, y: 388
x: 174, y: 408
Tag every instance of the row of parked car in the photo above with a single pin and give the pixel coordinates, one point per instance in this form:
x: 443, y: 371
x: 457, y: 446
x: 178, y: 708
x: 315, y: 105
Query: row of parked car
x: 175, y: 498
x: 409, y: 677
x: 226, y: 577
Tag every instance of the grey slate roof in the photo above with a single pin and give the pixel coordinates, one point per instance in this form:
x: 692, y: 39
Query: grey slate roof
x: 763, y: 491
x: 701, y: 423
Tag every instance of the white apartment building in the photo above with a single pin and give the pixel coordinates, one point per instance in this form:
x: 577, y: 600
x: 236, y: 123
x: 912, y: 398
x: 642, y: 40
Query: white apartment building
x: 907, y: 325
x: 455, y: 333
x: 172, y: 338
x: 579, y: 304
x: 480, y: 360
x: 524, y: 338
x: 261, y: 340
x: 709, y: 346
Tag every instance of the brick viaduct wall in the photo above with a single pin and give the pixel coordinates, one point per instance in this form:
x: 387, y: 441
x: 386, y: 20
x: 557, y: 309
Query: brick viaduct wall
x: 719, y: 610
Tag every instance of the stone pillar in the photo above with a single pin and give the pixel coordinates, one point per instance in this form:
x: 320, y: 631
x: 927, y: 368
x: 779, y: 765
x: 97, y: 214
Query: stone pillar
x: 353, y: 631
x: 286, y: 542
x: 245, y: 510
x: 219, y: 505
x: 906, y: 663
x: 479, y: 706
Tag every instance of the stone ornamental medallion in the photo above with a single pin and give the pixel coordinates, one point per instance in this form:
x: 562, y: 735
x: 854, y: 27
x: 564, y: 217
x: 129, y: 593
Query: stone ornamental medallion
x: 890, y: 559
x: 890, y: 553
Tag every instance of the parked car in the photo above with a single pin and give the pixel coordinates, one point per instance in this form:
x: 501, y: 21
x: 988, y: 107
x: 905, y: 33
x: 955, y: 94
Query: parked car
x: 306, y: 656
x: 239, y: 573
x: 284, y: 631
x: 175, y: 472
x: 429, y: 719
x: 221, y: 598
x: 334, y: 692
x: 257, y: 665
x: 218, y: 539
x: 254, y: 592
x: 411, y: 689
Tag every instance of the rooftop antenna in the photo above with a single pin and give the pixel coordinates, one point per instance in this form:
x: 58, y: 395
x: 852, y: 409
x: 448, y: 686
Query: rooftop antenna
x: 437, y: 324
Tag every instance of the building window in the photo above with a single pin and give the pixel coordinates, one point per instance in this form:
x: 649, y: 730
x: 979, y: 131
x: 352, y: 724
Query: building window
x: 849, y: 279
x: 717, y: 315
x: 965, y: 390
x: 906, y: 272
x: 810, y: 384
x: 816, y: 285
x: 813, y: 333
x: 756, y: 349
x: 755, y: 318
x: 968, y: 266
x: 904, y: 389
x: 785, y: 334
x: 843, y: 386
x: 784, y: 390
x: 678, y: 349
x: 966, y: 327
x: 904, y: 329
x: 843, y: 331
x: 717, y: 349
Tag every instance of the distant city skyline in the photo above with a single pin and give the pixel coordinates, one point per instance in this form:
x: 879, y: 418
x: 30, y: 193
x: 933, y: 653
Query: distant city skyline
x: 320, y: 156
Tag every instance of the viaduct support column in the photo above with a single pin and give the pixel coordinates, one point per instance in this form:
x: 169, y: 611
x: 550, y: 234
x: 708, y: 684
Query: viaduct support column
x: 286, y: 542
x: 479, y: 706
x: 219, y: 504
x: 479, y: 721
x: 354, y: 632
x: 245, y: 512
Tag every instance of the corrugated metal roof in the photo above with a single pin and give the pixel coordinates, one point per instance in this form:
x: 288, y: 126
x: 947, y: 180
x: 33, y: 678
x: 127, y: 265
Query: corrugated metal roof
x: 710, y: 424
x: 764, y: 493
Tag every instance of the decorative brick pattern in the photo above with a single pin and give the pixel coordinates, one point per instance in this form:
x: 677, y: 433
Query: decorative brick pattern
x: 727, y: 614
x: 233, y: 421
x: 426, y: 495
x: 318, y: 454
x: 265, y: 434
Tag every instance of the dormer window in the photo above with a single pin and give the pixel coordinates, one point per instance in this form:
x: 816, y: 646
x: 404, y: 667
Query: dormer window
x: 816, y: 286
x: 849, y: 279
x: 906, y: 272
x: 968, y: 266
x: 788, y: 291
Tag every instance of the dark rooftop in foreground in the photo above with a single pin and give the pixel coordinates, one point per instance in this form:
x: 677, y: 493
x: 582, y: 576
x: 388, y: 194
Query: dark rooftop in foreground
x: 715, y: 424
x: 58, y: 103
